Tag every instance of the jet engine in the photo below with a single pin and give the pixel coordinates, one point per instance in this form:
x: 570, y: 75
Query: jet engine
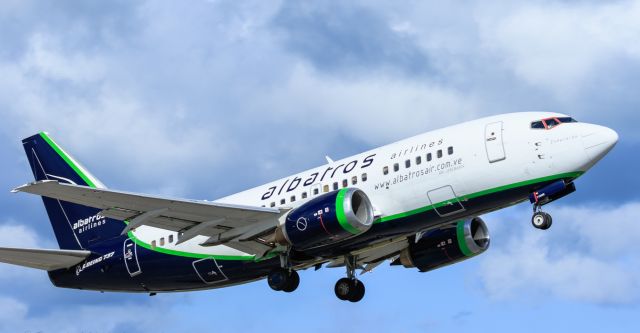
x: 441, y: 247
x: 326, y: 219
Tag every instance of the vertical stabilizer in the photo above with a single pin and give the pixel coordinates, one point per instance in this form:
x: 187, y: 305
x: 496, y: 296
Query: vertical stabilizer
x: 75, y: 226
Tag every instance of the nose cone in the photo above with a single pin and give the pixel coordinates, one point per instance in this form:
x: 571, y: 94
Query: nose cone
x: 598, y: 141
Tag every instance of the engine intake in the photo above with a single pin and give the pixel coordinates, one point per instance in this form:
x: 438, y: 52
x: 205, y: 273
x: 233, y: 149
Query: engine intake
x: 445, y: 246
x: 326, y: 219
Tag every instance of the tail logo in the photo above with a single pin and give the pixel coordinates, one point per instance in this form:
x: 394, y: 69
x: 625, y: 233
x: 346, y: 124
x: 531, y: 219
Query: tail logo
x: 89, y: 223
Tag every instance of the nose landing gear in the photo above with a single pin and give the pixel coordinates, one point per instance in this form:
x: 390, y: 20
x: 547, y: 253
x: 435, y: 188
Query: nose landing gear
x: 540, y: 219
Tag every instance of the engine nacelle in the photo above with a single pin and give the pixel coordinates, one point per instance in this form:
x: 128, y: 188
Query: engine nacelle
x: 445, y: 246
x: 329, y: 218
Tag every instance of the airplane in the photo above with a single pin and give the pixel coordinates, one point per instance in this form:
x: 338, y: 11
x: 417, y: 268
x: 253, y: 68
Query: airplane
x: 414, y: 203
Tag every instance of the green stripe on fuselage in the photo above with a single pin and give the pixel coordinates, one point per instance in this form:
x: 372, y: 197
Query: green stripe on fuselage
x: 571, y: 175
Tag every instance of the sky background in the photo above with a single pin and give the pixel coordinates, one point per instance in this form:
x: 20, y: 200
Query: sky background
x: 201, y: 99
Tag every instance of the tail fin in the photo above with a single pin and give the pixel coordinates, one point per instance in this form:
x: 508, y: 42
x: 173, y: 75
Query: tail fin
x: 75, y: 226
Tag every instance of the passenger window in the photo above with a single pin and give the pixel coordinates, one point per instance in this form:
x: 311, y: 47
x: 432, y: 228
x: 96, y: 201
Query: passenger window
x: 153, y: 244
x: 170, y: 239
x: 325, y: 188
x: 354, y: 180
x: 304, y: 195
x: 345, y: 183
x: 418, y: 160
x: 316, y: 191
x: 396, y: 167
x: 272, y: 204
x: 407, y: 163
x: 282, y: 201
x: 364, y: 177
x: 162, y: 241
x: 385, y: 170
x: 439, y: 153
x: 293, y: 198
x: 335, y: 186
x: 429, y: 157
x: 450, y: 150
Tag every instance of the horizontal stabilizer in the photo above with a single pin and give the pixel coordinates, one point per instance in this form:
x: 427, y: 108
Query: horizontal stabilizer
x: 48, y: 260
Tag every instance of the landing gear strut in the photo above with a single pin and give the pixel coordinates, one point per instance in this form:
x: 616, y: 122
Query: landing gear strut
x: 284, y: 278
x: 540, y: 219
x: 350, y: 288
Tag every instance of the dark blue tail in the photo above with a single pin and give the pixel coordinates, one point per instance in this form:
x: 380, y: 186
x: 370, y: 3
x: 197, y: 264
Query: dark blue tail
x: 75, y: 226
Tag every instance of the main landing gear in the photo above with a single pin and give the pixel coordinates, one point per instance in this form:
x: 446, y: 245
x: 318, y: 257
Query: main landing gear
x: 284, y: 278
x: 349, y: 288
x: 540, y: 219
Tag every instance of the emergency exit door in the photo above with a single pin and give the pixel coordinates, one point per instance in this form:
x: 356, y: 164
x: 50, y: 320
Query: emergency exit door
x: 494, y: 142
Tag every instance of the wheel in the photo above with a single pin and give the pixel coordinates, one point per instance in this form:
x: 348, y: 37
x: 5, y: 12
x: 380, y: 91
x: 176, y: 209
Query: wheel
x: 343, y: 289
x: 278, y: 279
x: 293, y: 282
x: 541, y: 220
x: 349, y: 290
x: 358, y: 291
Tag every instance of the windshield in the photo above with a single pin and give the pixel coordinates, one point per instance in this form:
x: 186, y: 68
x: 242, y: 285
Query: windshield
x: 550, y: 123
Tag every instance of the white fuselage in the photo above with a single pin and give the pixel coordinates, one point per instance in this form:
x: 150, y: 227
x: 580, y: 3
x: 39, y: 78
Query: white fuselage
x: 453, y: 163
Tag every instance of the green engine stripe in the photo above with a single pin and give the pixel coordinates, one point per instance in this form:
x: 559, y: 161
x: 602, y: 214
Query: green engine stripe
x: 342, y: 218
x: 67, y: 159
x: 461, y: 243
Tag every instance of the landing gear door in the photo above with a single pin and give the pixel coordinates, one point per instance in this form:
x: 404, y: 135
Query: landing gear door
x: 130, y: 254
x: 494, y: 142
x: 209, y: 271
x: 445, y: 201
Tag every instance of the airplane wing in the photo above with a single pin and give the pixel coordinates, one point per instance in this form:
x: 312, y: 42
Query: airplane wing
x: 236, y: 226
x: 48, y: 260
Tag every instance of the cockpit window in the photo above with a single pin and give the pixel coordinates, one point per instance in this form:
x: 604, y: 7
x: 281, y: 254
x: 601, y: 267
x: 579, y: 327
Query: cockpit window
x: 550, y: 123
x: 567, y: 120
x: 537, y: 125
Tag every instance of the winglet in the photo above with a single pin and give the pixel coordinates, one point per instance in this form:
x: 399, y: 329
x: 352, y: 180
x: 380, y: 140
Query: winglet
x: 329, y: 160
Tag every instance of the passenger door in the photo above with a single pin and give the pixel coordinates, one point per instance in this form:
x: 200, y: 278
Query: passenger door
x: 494, y: 142
x: 130, y: 254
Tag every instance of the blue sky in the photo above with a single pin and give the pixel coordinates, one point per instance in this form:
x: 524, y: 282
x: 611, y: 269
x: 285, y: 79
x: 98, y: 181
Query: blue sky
x: 201, y: 99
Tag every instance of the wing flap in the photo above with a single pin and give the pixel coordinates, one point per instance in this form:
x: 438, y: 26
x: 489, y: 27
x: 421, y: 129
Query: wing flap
x: 45, y: 259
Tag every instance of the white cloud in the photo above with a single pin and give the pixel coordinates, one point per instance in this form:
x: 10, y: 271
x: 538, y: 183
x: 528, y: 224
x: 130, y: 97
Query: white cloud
x: 390, y: 108
x: 558, y: 46
x: 15, y: 317
x: 13, y: 234
x: 586, y: 256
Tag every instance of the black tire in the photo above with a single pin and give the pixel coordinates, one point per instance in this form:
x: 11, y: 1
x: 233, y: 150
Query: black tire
x: 343, y: 289
x: 278, y: 279
x: 548, y: 221
x: 293, y: 282
x: 541, y: 220
x: 358, y: 291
